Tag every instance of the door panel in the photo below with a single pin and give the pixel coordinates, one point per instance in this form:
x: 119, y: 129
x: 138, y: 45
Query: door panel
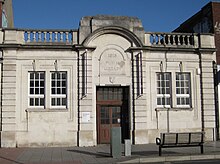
x: 104, y: 124
x: 110, y: 116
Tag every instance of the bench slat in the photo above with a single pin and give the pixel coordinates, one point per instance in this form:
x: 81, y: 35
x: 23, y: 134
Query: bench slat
x: 185, y: 139
x: 196, y: 137
x: 169, y: 138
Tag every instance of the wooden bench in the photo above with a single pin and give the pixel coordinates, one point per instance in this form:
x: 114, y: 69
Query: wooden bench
x: 185, y: 139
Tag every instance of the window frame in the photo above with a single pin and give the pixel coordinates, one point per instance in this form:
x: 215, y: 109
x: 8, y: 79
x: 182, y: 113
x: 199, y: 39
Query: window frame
x: 164, y: 95
x: 173, y: 94
x: 58, y: 96
x: 39, y: 96
x: 189, y: 95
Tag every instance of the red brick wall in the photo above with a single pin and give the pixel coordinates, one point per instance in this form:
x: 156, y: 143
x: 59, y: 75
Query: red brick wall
x: 1, y: 13
x: 216, y: 18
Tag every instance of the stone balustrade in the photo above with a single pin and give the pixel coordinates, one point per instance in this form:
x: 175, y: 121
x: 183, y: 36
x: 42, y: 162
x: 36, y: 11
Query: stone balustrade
x: 48, y: 36
x: 70, y: 37
x: 172, y: 39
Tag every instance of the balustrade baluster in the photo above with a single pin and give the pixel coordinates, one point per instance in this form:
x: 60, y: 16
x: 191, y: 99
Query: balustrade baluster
x: 55, y: 36
x: 187, y: 40
x: 168, y: 39
x: 183, y: 40
x: 178, y: 40
x: 61, y: 36
x: 67, y: 38
x: 44, y: 38
x: 158, y: 37
x: 28, y: 36
x: 34, y: 36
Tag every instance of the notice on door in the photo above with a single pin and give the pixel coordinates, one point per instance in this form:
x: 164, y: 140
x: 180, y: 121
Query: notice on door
x: 85, y: 117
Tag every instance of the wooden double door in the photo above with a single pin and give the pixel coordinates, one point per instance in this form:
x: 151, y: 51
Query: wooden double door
x: 112, y: 111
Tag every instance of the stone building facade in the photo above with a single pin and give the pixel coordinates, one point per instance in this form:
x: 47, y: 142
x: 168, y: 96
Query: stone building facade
x: 69, y: 88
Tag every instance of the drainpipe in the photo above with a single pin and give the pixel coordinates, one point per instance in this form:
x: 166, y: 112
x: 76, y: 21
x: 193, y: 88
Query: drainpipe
x: 133, y: 99
x: 216, y: 82
x: 1, y: 68
x: 201, y: 90
x: 78, y: 97
x: 201, y: 85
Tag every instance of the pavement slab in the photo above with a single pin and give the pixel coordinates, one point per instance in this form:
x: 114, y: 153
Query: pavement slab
x: 146, y: 153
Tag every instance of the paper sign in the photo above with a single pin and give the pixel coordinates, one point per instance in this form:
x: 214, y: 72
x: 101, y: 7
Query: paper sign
x: 85, y: 117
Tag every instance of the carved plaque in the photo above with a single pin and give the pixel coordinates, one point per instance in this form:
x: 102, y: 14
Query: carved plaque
x: 112, y: 63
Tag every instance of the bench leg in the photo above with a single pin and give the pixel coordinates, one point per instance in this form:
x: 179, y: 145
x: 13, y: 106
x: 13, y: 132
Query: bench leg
x: 201, y: 147
x: 159, y: 151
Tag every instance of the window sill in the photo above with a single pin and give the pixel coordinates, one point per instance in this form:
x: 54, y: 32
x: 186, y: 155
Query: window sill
x: 46, y: 110
x: 174, y: 109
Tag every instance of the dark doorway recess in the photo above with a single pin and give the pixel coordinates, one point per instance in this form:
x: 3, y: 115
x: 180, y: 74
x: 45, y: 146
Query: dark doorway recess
x: 112, y: 111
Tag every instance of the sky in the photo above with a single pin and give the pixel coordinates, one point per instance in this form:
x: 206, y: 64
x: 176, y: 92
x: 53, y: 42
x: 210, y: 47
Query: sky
x: 156, y: 15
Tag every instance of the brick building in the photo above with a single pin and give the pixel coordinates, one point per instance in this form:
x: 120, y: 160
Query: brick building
x: 6, y: 14
x: 207, y: 20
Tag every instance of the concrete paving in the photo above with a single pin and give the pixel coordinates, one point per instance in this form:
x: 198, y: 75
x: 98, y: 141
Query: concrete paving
x: 147, y: 153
